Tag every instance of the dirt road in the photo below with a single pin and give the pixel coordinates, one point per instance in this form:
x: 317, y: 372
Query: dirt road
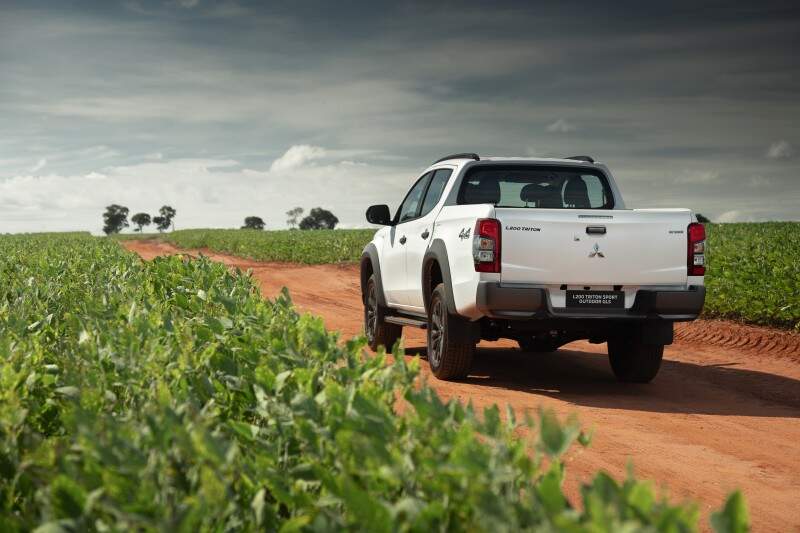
x: 723, y: 413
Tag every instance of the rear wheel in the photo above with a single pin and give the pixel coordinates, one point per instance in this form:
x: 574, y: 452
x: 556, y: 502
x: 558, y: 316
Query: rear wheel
x: 378, y: 331
x: 450, y: 341
x: 634, y: 361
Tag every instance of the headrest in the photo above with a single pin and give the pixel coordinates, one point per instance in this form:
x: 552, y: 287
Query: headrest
x: 486, y: 191
x: 533, y: 192
x: 576, y: 194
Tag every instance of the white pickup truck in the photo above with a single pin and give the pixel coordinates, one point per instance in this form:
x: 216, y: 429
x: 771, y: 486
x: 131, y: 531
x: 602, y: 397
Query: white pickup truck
x: 542, y: 251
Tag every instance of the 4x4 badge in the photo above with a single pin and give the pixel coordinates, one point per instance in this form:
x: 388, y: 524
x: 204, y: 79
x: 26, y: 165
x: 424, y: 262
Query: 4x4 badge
x: 596, y: 251
x: 464, y: 234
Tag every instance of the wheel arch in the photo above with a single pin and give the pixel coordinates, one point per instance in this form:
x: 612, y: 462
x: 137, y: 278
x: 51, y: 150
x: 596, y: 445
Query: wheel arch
x: 370, y: 264
x: 435, y: 269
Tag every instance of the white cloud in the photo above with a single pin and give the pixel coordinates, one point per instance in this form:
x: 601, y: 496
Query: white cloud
x: 561, y: 126
x: 214, y: 95
x: 734, y: 215
x: 40, y: 164
x: 297, y: 156
x: 697, y: 177
x: 188, y: 4
x: 780, y: 150
x: 205, y: 192
x: 94, y: 152
x: 41, y: 156
x: 136, y: 7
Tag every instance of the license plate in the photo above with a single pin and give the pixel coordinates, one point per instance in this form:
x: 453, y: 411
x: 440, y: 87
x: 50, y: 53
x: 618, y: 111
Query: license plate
x: 595, y: 299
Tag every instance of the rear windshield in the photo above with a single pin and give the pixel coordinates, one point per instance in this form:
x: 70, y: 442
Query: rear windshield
x: 549, y: 187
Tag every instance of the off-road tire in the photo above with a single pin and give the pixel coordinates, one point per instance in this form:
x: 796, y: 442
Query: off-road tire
x: 634, y: 361
x: 378, y: 331
x: 450, y: 340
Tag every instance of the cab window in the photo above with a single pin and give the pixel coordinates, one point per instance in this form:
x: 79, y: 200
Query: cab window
x: 548, y: 187
x: 435, y: 189
x: 410, y: 207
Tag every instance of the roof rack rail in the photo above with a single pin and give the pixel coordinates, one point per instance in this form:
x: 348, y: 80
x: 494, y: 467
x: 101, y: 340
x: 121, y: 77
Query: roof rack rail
x: 586, y: 158
x: 459, y: 156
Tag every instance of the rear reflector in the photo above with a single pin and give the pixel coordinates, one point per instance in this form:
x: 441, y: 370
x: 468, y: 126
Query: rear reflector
x: 696, y: 259
x: 486, y: 245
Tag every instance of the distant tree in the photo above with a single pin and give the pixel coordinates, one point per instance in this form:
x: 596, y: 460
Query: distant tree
x: 253, y: 223
x: 115, y: 219
x: 141, y: 219
x: 294, y: 215
x: 702, y: 219
x: 165, y: 220
x: 319, y: 218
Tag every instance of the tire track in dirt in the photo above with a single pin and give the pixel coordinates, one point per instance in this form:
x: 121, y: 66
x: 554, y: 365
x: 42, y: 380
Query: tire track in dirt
x: 723, y: 413
x: 759, y: 340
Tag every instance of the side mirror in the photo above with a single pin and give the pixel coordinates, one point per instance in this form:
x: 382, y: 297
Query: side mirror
x: 379, y: 214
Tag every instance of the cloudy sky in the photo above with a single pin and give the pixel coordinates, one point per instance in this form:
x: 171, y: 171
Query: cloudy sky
x: 225, y: 109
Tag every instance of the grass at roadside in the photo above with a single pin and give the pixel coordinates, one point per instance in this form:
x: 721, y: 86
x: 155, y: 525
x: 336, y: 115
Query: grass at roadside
x: 168, y: 395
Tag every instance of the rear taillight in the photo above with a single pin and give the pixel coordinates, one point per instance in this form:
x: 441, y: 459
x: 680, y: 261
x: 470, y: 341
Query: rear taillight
x: 696, y: 256
x: 486, y: 245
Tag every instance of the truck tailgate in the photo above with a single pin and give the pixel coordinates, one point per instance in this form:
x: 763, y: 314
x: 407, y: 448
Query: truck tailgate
x: 594, y: 247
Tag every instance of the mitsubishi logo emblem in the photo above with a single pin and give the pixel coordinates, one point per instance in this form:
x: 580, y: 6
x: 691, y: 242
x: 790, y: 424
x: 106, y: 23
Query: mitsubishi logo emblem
x: 596, y: 251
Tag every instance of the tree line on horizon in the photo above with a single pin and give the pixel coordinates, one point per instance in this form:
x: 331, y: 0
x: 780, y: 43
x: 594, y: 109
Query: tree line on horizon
x: 317, y: 218
x: 115, y: 219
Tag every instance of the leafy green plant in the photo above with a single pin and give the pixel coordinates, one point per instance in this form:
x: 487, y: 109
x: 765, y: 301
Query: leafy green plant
x: 753, y: 273
x: 168, y: 395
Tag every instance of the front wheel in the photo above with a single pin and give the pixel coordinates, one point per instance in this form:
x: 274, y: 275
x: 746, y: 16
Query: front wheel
x: 450, y: 341
x: 634, y: 361
x: 378, y: 331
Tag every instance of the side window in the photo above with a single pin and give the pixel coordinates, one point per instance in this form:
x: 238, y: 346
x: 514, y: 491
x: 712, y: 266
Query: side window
x: 595, y: 191
x: 435, y: 189
x: 410, y: 206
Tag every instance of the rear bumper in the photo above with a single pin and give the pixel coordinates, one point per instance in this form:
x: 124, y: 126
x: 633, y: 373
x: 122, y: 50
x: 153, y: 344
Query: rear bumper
x: 493, y: 300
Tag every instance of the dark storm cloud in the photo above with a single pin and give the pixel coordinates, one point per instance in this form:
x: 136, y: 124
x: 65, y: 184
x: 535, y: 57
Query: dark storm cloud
x: 697, y: 104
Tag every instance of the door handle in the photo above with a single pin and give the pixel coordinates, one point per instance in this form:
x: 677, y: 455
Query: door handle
x: 425, y: 234
x: 403, y: 239
x: 595, y: 230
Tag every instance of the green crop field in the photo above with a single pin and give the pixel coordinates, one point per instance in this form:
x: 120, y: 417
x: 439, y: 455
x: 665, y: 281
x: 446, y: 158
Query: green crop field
x: 754, y: 273
x: 753, y: 269
x: 295, y: 246
x: 168, y: 395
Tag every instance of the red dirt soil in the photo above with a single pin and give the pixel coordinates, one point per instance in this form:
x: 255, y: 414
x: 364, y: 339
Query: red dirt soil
x: 723, y: 413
